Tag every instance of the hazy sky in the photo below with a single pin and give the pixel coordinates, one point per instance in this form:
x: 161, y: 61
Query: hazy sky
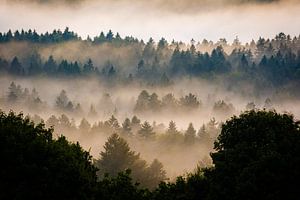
x: 172, y: 19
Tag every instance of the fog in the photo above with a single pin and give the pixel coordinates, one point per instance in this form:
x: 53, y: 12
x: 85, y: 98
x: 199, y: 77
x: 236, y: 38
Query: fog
x: 81, y: 106
x: 179, y: 20
x: 177, y: 157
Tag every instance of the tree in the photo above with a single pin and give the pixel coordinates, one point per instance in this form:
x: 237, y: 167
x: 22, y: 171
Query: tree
x: 62, y: 100
x: 126, y: 127
x: 172, y: 128
x: 117, y: 157
x: 84, y: 126
x: 255, y: 154
x: 88, y: 68
x: 35, y: 64
x: 113, y: 123
x: 203, y: 135
x: 50, y: 66
x: 16, y: 67
x: 190, y: 134
x: 169, y: 102
x: 189, y: 101
x: 142, y: 103
x: 154, y: 102
x: 156, y: 174
x: 36, y: 166
x: 14, y: 92
x: 146, y: 130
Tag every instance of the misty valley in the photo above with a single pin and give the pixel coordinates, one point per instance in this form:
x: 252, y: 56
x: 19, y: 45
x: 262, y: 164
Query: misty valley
x: 119, y: 117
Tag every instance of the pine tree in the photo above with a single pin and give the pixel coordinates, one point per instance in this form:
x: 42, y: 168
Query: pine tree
x: 172, y: 128
x: 190, y: 134
x: 126, y: 127
x: 146, y: 130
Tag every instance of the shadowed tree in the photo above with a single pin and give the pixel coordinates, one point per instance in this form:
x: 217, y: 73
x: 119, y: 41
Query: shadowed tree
x: 172, y: 128
x: 146, y: 130
x: 36, y: 166
x: 16, y: 67
x: 126, y: 127
x: 190, y: 134
x: 257, y: 156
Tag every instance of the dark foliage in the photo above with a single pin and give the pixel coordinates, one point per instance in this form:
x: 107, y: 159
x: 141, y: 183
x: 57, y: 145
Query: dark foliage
x: 258, y: 157
x: 36, y: 166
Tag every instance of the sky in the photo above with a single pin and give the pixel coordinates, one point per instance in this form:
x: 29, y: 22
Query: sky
x: 181, y: 20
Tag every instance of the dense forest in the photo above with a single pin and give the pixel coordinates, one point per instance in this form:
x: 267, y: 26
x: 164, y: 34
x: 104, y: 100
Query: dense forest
x: 149, y: 100
x: 254, y: 154
x: 163, y: 99
x: 265, y: 63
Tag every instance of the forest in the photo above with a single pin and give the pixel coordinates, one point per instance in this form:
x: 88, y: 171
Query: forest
x: 253, y: 155
x: 263, y: 64
x: 152, y: 121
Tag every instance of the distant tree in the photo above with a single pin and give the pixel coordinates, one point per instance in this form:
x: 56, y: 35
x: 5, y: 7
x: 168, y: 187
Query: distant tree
x: 221, y: 107
x: 110, y: 36
x: 62, y: 100
x: 154, y: 103
x: 172, y: 128
x: 126, y: 127
x: 146, y: 130
x: 113, y: 124
x: 189, y: 101
x: 16, y: 67
x: 190, y: 134
x: 35, y: 64
x: 135, y: 123
x: 14, y: 92
x: 203, y: 135
x: 169, y: 102
x: 50, y: 66
x: 64, y: 122
x: 142, y: 103
x: 4, y: 66
x: 117, y: 157
x: 106, y: 104
x: 52, y: 121
x: 88, y: 68
x: 156, y: 174
x: 84, y: 126
x: 164, y: 80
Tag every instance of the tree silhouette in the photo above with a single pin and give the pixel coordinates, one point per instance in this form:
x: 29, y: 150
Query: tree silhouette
x: 255, y: 154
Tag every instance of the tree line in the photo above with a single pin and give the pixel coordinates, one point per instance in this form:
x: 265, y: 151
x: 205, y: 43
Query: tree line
x: 263, y: 62
x: 145, y: 103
